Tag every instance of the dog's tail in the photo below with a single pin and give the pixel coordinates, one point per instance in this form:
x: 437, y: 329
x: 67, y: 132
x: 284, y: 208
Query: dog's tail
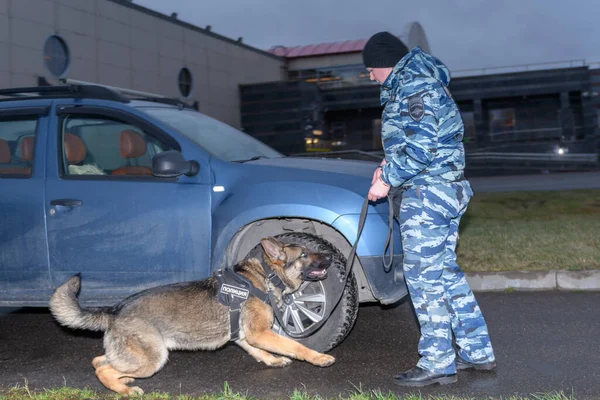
x: 65, y: 307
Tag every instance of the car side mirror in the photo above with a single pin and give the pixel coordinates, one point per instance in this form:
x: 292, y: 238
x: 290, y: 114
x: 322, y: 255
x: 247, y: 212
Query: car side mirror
x: 171, y: 164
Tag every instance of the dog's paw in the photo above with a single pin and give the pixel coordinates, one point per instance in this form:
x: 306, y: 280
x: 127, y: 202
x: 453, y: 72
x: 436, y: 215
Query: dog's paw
x: 280, y: 362
x: 98, y: 362
x: 324, y: 360
x: 135, y: 391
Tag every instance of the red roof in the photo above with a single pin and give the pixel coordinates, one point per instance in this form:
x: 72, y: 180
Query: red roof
x: 348, y: 46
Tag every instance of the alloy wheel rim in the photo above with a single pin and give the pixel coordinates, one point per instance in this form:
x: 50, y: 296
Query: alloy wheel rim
x: 306, y: 308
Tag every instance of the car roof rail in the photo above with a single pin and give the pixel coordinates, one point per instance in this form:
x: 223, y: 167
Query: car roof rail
x: 89, y: 90
x: 133, y: 94
x: 68, y: 90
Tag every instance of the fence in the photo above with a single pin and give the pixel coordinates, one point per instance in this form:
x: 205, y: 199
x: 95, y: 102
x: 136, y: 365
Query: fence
x: 520, y: 68
x: 508, y: 161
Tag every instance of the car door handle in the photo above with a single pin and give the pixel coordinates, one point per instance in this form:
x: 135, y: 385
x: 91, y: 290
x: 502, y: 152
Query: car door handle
x: 66, y: 202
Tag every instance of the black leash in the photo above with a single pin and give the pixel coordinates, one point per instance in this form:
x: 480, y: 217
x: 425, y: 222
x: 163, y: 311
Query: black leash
x: 389, y: 242
x: 361, y: 225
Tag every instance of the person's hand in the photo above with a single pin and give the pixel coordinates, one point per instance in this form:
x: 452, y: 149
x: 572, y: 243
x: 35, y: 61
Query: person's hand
x: 376, y: 175
x: 378, y: 190
x: 378, y: 171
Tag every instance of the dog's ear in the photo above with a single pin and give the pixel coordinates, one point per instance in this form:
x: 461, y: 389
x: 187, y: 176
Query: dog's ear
x: 273, y: 248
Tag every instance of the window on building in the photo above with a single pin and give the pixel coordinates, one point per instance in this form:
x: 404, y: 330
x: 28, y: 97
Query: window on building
x: 333, y: 77
x: 17, y: 139
x: 185, y: 82
x: 531, y: 119
x: 468, y: 118
x: 364, y: 78
x: 376, y: 130
x: 328, y: 77
x: 56, y: 56
x: 308, y: 75
x: 502, y: 124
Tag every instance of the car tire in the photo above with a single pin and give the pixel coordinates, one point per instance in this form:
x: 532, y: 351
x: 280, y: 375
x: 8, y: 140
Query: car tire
x: 342, y: 318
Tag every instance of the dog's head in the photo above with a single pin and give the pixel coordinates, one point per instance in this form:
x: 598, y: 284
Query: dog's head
x: 293, y: 263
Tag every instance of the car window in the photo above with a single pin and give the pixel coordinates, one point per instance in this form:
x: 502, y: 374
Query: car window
x: 17, y: 140
x: 218, y: 138
x: 101, y: 146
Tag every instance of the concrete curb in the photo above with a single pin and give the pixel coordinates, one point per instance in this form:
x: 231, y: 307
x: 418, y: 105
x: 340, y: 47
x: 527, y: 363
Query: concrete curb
x: 534, y: 280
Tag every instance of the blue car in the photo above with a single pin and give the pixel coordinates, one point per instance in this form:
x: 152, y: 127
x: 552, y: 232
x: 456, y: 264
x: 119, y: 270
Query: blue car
x: 135, y: 191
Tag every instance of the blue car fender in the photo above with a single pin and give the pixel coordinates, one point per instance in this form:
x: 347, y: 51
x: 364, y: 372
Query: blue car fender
x: 255, y: 201
x: 248, y: 203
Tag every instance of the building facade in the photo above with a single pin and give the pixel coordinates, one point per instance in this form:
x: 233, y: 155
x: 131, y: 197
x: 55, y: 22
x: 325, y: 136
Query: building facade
x: 297, y: 115
x: 526, y: 118
x: 118, y: 43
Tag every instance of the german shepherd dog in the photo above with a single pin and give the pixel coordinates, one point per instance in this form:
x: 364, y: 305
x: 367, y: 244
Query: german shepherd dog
x: 140, y: 330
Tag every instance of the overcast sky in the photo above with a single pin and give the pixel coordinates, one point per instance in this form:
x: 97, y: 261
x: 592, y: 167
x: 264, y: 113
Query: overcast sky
x: 464, y: 34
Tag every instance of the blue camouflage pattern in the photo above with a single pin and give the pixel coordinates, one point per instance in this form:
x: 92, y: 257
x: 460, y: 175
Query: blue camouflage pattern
x: 421, y: 150
x: 422, y: 133
x: 442, y: 298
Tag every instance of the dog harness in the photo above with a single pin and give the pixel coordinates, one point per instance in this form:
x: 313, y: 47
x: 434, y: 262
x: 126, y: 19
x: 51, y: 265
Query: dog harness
x: 235, y: 290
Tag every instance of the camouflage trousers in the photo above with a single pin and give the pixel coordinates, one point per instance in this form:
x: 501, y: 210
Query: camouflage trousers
x: 443, y: 301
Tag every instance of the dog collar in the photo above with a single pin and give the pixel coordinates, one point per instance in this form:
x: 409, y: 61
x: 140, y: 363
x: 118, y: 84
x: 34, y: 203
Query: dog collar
x: 273, y: 278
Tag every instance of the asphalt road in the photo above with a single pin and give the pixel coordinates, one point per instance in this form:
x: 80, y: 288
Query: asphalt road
x: 546, y: 341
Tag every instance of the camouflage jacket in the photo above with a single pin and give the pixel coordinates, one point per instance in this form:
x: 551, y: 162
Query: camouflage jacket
x: 422, y: 129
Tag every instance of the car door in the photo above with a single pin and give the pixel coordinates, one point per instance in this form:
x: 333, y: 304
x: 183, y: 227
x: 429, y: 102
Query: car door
x: 109, y: 218
x: 24, y: 276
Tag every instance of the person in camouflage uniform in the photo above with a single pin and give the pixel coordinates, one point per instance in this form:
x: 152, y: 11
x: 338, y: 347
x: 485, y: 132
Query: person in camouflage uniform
x: 422, y: 133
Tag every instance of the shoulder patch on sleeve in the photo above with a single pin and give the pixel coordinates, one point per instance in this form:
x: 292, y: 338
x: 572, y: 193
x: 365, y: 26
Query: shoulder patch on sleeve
x: 416, y: 108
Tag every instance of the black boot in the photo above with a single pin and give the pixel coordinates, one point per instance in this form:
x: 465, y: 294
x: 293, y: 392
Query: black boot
x: 418, y: 377
x: 463, y: 364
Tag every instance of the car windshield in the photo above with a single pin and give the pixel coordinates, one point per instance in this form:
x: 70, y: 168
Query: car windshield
x: 219, y: 139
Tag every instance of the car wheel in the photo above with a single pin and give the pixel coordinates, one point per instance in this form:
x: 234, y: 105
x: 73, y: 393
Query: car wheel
x: 314, y: 299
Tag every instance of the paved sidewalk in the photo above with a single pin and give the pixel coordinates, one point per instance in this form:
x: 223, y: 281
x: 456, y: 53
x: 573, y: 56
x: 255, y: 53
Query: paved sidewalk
x: 534, y: 280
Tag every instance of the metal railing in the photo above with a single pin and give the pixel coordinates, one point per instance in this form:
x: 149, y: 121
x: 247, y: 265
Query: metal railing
x: 519, y: 68
x: 519, y: 135
x: 485, y: 158
x: 594, y: 65
x: 547, y: 157
x: 344, y: 154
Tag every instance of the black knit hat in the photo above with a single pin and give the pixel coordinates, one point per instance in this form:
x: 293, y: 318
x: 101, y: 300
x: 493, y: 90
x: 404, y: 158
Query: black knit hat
x: 383, y: 50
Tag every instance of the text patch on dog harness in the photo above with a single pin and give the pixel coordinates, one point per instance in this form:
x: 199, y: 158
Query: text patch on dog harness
x: 234, y: 290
